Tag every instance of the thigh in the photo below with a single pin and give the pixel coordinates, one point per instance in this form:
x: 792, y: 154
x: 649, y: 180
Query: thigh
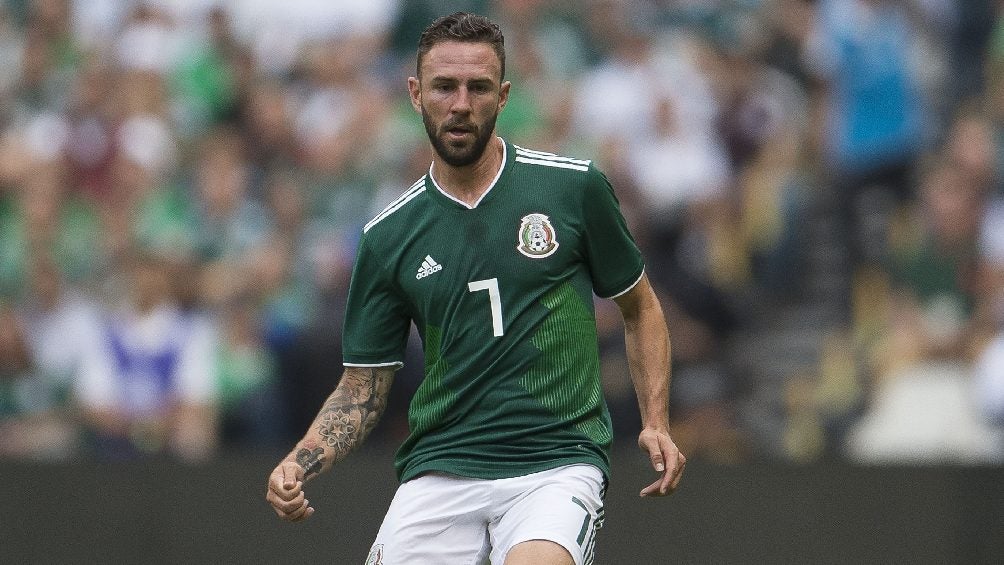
x: 434, y: 520
x: 563, y: 505
x: 538, y: 552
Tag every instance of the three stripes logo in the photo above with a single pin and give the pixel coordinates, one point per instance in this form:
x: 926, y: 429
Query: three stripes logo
x: 429, y: 266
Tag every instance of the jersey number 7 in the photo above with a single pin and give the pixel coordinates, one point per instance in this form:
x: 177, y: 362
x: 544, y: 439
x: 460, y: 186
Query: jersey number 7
x: 492, y: 286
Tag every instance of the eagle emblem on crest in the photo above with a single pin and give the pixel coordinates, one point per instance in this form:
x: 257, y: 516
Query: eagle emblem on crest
x: 536, y: 236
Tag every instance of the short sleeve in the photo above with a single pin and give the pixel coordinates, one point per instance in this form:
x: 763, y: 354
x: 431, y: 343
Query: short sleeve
x: 376, y: 325
x: 615, y: 263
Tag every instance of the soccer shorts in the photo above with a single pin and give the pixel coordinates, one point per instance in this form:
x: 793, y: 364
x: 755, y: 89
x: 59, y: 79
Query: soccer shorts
x: 440, y: 519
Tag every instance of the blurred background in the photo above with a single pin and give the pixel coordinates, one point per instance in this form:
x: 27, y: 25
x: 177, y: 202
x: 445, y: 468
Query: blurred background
x: 816, y: 186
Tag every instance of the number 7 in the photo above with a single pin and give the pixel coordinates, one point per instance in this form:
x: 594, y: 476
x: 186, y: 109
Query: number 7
x: 492, y: 286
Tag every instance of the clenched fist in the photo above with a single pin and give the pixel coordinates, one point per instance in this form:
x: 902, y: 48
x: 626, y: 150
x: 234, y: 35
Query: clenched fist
x: 285, y: 492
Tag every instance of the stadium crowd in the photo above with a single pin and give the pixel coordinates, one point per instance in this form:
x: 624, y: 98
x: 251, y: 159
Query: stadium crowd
x: 183, y: 182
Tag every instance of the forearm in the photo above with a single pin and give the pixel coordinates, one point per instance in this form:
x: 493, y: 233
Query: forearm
x: 647, y: 345
x: 345, y: 420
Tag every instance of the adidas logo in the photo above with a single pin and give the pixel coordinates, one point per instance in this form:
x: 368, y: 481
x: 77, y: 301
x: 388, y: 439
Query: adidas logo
x: 429, y: 266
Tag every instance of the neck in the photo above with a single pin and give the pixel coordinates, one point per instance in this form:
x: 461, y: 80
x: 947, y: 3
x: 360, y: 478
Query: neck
x: 468, y: 183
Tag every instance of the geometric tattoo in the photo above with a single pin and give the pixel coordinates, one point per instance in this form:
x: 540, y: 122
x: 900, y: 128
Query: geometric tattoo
x: 337, y: 429
x: 347, y: 417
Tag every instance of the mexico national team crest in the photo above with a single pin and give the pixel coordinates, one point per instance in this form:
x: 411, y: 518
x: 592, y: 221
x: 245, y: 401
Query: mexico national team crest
x: 536, y: 237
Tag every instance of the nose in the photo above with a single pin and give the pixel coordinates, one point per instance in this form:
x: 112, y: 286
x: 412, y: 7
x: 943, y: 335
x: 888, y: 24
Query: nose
x: 461, y: 101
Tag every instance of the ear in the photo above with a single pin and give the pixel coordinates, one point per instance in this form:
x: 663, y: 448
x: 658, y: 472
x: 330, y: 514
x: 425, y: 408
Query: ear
x: 504, y: 95
x: 415, y: 93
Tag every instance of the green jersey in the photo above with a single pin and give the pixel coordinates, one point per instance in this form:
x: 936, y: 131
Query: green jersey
x: 502, y: 295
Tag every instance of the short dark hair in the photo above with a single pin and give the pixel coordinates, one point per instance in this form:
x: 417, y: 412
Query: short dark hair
x: 464, y: 27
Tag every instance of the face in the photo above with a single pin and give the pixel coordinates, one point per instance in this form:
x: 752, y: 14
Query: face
x: 459, y: 96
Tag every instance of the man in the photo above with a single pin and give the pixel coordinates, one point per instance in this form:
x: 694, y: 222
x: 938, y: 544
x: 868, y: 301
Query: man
x: 494, y: 254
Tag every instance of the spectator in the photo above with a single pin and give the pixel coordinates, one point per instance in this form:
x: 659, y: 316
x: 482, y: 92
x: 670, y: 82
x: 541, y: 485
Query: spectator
x: 91, y: 144
x: 44, y: 342
x: 150, y: 41
x: 266, y: 124
x: 988, y: 384
x: 40, y: 217
x: 251, y: 413
x: 872, y: 116
x: 242, y: 143
x: 36, y: 421
x: 921, y: 409
x: 230, y: 221
x: 988, y: 391
x: 206, y: 81
x: 150, y: 386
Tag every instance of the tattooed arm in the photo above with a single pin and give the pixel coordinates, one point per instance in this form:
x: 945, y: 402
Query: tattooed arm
x: 344, y: 421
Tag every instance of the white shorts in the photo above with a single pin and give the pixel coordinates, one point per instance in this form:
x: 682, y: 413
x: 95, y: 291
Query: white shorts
x: 440, y: 519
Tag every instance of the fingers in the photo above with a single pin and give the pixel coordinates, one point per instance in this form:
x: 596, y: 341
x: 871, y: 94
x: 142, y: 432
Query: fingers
x: 294, y: 511
x: 285, y: 493
x: 657, y: 458
x: 673, y: 475
x: 288, y: 509
x: 284, y: 484
x: 678, y: 474
x: 652, y: 444
x: 675, y: 462
x: 666, y: 459
x: 652, y: 489
x: 292, y: 474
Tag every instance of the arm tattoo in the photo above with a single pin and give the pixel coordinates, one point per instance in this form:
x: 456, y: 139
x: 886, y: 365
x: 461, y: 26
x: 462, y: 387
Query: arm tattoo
x: 352, y: 410
x: 311, y: 461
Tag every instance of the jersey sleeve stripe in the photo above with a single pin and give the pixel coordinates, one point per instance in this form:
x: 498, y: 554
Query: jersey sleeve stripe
x: 415, y: 190
x: 418, y: 184
x: 628, y: 289
x: 397, y: 364
x: 550, y: 163
x: 549, y: 156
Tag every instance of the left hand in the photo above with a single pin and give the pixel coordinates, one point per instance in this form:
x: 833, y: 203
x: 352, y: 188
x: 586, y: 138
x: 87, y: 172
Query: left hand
x: 665, y: 458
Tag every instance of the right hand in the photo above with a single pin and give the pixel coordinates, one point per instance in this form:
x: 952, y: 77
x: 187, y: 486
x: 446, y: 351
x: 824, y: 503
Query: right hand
x: 285, y: 492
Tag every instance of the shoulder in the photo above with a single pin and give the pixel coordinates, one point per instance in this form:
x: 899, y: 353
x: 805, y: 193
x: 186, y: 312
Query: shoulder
x: 572, y: 176
x: 581, y: 177
x: 397, y: 207
x: 551, y: 161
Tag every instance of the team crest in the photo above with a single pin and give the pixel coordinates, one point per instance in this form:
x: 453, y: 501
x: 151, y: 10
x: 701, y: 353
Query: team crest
x: 376, y: 555
x: 536, y: 237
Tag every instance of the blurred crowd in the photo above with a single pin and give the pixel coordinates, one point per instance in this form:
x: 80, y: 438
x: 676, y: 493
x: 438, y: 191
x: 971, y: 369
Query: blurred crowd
x: 183, y: 183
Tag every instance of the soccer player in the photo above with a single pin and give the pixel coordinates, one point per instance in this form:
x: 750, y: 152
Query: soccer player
x: 494, y: 255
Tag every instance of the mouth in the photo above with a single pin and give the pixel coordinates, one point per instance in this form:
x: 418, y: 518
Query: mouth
x: 458, y: 131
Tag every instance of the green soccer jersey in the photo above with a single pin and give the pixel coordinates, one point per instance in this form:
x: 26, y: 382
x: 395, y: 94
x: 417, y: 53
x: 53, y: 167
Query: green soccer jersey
x: 502, y: 295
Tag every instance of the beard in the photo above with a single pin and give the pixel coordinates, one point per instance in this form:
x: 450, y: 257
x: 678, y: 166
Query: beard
x: 464, y: 154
